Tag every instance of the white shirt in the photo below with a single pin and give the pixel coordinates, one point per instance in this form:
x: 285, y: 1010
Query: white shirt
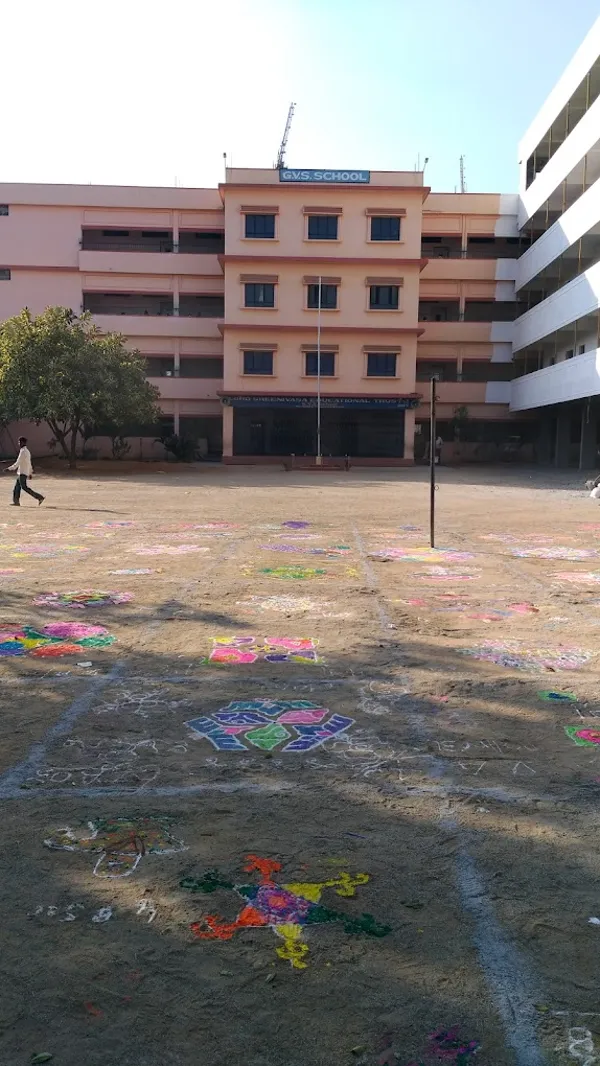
x: 23, y: 463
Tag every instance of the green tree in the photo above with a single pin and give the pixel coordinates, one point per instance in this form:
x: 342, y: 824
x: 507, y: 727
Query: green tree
x: 61, y: 369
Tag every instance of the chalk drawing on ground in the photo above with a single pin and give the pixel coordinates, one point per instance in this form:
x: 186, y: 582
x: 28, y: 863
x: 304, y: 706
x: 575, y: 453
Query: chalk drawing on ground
x: 140, y: 570
x: 518, y: 656
x: 579, y: 577
x: 294, y: 605
x: 444, y: 573
x: 166, y: 549
x: 121, y: 842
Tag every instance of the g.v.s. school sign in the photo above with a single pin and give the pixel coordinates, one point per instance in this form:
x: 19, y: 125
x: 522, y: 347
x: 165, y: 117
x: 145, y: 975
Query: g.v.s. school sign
x: 339, y: 177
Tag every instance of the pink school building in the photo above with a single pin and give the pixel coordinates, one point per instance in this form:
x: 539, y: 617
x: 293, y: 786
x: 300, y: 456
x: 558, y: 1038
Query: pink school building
x: 219, y: 290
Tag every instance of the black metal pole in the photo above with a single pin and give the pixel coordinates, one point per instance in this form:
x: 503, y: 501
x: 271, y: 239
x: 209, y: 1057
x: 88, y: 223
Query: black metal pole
x: 432, y: 439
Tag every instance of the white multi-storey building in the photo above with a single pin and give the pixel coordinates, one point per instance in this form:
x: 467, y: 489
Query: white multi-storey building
x: 556, y: 345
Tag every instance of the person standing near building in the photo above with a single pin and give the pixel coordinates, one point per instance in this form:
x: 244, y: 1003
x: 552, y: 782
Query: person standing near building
x: 24, y: 470
x: 438, y: 449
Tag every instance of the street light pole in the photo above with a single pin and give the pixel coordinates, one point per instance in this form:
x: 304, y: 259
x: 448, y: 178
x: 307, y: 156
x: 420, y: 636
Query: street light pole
x: 432, y: 439
x: 319, y: 458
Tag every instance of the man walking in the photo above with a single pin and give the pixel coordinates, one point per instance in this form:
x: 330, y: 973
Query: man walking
x: 24, y: 471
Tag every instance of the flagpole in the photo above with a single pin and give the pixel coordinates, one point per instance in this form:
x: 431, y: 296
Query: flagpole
x: 319, y: 460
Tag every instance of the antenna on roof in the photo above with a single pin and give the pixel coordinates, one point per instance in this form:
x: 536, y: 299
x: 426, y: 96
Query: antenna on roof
x: 282, y: 147
x: 463, y: 180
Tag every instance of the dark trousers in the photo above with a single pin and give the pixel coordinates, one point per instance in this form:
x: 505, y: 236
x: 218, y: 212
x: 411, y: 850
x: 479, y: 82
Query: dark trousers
x: 21, y: 485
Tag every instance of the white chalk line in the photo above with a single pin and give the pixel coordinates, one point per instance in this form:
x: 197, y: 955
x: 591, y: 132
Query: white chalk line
x: 157, y: 790
x: 16, y: 775
x: 512, y: 986
x: 384, y: 618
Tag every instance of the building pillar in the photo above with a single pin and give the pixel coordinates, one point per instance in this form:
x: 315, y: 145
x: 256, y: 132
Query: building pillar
x: 176, y: 231
x: 409, y: 436
x: 563, y: 438
x: 543, y: 444
x: 176, y: 419
x: 588, y: 447
x: 227, y: 431
x: 175, y: 296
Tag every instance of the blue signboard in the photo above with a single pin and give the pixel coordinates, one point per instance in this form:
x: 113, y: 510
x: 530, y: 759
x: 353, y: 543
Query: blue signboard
x: 357, y: 403
x: 328, y: 177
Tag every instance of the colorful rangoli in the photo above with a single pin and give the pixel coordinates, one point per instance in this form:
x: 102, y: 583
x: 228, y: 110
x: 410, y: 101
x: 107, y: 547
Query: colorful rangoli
x: 285, y: 909
x: 421, y: 555
x: 513, y: 654
x: 267, y: 724
x: 575, y: 577
x: 166, y: 549
x: 560, y: 552
x: 270, y: 649
x: 585, y: 738
x: 55, y: 639
x: 81, y: 600
x: 336, y: 551
x: 292, y: 573
x: 41, y: 551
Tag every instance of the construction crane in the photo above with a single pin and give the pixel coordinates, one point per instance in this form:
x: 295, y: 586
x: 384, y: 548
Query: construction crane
x: 282, y: 147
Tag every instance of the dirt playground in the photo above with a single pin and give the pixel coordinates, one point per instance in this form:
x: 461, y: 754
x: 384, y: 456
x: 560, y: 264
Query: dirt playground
x: 281, y: 786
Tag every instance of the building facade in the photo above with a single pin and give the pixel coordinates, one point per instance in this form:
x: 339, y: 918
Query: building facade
x: 301, y: 312
x: 146, y: 263
x: 220, y: 290
x: 557, y: 338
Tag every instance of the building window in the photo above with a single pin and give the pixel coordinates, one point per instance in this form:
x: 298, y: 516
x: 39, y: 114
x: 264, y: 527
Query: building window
x: 322, y: 227
x: 259, y: 294
x: 4, y: 274
x: 581, y: 349
x: 311, y: 364
x: 3, y: 209
x: 570, y: 353
x: 383, y: 297
x: 381, y: 365
x: 262, y: 226
x: 258, y: 362
x: 328, y: 297
x: 385, y: 228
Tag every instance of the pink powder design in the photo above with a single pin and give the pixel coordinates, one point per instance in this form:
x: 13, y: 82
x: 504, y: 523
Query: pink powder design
x: 591, y: 735
x: 311, y: 717
x: 231, y: 655
x: 73, y: 630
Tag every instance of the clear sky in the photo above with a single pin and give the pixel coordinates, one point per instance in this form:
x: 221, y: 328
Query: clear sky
x: 144, y: 92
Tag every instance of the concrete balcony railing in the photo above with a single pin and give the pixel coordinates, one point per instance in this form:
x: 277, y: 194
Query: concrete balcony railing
x: 159, y: 326
x: 467, y: 332
x: 573, y: 379
x: 579, y: 142
x: 178, y: 388
x: 149, y: 262
x: 575, y: 300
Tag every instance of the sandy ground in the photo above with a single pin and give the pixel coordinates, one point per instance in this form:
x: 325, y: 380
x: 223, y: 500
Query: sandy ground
x: 433, y: 815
